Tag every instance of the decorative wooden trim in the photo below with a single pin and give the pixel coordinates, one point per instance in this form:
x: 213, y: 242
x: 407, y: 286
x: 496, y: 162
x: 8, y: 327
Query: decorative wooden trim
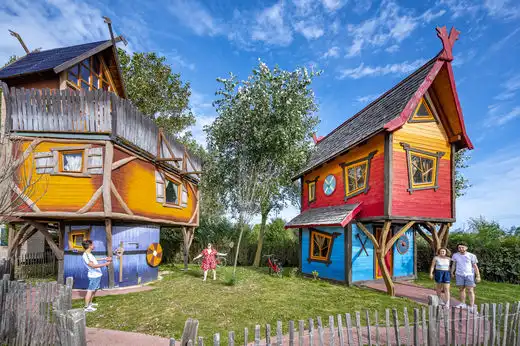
x: 107, y: 178
x: 99, y: 216
x: 453, y: 168
x: 430, y: 119
x: 122, y: 162
x: 88, y: 54
x: 92, y: 201
x: 25, y: 198
x: 346, y: 166
x: 435, y: 156
x: 71, y: 151
x: 396, y: 123
x: 72, y: 148
x: 403, y: 219
x: 389, y: 172
x: 71, y: 174
x: 197, y: 199
x: 59, y: 140
x: 308, y: 182
x: 459, y: 109
x: 120, y: 199
x: 331, y: 236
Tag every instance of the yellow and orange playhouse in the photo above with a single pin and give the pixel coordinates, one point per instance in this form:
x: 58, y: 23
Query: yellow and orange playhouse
x: 94, y: 166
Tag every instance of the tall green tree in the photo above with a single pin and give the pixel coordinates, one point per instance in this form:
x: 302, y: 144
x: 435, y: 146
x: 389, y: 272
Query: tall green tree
x: 157, y: 91
x: 259, y: 139
x: 461, y: 182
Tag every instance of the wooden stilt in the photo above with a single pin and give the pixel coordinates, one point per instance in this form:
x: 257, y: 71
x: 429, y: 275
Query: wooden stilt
x: 108, y: 232
x: 61, y: 245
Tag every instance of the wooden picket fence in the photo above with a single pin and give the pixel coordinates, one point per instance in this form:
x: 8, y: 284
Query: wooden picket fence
x: 35, y: 265
x: 494, y: 325
x: 39, y: 314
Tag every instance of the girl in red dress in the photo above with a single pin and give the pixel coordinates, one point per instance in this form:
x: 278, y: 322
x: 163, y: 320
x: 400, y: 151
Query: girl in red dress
x: 209, y: 261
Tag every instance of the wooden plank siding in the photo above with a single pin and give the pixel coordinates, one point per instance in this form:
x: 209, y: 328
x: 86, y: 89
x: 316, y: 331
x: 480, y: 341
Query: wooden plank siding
x: 373, y: 199
x: 430, y: 137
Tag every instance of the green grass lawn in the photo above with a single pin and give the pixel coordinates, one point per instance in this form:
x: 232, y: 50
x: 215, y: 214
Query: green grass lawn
x: 486, y: 291
x: 257, y: 298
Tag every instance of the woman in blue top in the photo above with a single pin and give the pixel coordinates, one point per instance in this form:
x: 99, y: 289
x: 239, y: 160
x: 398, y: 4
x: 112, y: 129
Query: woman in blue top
x: 441, y: 265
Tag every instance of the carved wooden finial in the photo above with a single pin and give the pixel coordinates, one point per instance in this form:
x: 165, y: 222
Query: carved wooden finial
x: 447, y: 42
x: 316, y: 139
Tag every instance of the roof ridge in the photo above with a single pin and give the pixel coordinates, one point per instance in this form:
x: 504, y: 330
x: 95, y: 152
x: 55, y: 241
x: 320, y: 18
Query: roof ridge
x: 380, y: 97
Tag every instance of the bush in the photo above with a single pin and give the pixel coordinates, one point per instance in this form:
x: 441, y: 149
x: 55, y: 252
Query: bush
x: 497, y: 250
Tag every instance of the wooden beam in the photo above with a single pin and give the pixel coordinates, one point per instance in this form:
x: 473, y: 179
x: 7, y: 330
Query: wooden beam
x: 87, y: 54
x: 168, y: 146
x: 92, y: 201
x: 122, y: 162
x: 194, y: 172
x: 28, y: 234
x: 107, y: 179
x: 108, y: 232
x: 61, y: 245
x: 48, y: 238
x: 169, y: 159
x: 367, y: 233
x: 384, y: 236
x: 425, y: 236
x: 16, y: 238
x: 400, y: 233
x: 120, y: 199
x: 25, y: 199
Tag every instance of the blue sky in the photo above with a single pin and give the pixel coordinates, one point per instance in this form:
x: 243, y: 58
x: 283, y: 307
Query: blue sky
x: 364, y: 47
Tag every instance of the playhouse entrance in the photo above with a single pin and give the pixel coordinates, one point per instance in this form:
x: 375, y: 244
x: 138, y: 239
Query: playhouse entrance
x: 388, y: 258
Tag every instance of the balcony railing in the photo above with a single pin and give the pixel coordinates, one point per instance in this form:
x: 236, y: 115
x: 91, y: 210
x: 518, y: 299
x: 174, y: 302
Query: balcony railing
x: 88, y: 112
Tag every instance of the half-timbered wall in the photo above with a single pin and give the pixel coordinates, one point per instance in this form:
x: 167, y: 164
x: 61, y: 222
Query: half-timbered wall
x: 373, y: 199
x: 429, y: 203
x: 134, y: 179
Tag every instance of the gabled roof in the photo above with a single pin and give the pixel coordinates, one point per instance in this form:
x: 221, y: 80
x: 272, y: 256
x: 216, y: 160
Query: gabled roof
x: 50, y: 59
x: 370, y: 120
x: 339, y: 216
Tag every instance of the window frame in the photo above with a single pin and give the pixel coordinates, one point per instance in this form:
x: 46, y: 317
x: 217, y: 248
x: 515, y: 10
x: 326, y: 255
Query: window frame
x: 352, y: 164
x: 75, y: 232
x: 421, y: 119
x: 425, y: 154
x: 179, y: 192
x: 311, y: 184
x: 61, y: 158
x: 103, y: 75
x: 330, y: 236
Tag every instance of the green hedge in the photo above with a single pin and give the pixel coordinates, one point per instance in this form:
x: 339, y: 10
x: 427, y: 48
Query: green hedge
x: 498, y: 255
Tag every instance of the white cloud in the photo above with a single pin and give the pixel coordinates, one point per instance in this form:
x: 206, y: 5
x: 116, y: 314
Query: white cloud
x: 497, y: 116
x: 373, y: 71
x: 361, y: 6
x: 494, y: 191
x: 502, y: 9
x: 464, y: 57
x: 311, y: 31
x: 332, y: 53
x: 393, y: 48
x: 195, y: 16
x: 391, y: 25
x: 367, y: 98
x: 332, y: 5
x: 48, y: 25
x: 476, y: 10
x: 271, y: 28
x: 178, y: 61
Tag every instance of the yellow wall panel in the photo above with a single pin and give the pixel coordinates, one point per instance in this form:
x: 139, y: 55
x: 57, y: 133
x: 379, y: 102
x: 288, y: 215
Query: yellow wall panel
x: 429, y: 136
x: 56, y: 192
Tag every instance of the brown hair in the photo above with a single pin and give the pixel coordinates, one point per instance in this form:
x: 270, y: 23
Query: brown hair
x: 86, y: 243
x: 448, y: 252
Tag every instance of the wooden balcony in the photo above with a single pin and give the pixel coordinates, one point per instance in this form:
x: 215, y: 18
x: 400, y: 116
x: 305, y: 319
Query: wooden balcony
x: 90, y: 114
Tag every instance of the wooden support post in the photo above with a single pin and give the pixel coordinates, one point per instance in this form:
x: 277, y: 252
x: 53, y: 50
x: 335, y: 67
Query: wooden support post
x: 108, y: 232
x: 187, y: 233
x: 48, y: 238
x: 61, y: 245
x: 107, y: 178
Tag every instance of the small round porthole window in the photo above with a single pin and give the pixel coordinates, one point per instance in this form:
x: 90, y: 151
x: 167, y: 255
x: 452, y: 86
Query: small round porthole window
x: 329, y: 185
x: 403, y: 244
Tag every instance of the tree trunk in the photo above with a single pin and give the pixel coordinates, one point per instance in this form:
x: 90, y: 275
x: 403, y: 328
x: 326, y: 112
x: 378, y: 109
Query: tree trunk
x: 258, y: 255
x: 390, y: 288
x: 242, y: 227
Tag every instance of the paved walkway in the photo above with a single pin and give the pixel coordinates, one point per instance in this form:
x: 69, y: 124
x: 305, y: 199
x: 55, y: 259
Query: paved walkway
x: 78, y: 294
x: 102, y: 337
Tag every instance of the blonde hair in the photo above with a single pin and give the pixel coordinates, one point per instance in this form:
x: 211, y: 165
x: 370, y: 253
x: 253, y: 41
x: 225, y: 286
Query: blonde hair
x: 448, y: 252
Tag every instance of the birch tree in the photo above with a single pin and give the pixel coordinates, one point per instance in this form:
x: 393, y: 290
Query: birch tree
x: 259, y: 139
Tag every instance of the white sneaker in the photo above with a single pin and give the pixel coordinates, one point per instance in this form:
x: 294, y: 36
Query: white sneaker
x: 461, y: 306
x: 94, y: 304
x: 90, y: 308
x: 473, y: 309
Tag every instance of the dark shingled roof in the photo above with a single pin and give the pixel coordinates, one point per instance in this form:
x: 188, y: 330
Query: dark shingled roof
x: 327, y: 216
x: 46, y: 60
x: 369, y: 120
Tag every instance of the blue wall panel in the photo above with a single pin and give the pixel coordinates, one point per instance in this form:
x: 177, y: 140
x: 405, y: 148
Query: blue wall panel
x: 134, y: 264
x: 362, y: 263
x: 336, y: 269
x: 403, y: 264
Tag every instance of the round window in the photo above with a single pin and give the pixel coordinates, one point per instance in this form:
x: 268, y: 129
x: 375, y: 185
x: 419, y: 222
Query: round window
x: 329, y: 185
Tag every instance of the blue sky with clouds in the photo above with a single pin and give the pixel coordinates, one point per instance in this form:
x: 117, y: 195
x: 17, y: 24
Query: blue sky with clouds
x: 364, y: 47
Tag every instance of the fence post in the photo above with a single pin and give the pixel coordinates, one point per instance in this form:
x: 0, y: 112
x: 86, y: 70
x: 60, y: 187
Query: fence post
x: 191, y: 327
x: 78, y: 322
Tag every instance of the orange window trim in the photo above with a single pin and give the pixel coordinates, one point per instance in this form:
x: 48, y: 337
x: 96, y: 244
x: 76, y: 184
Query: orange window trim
x: 311, y: 189
x: 366, y: 178
x: 359, y: 188
x: 315, y: 234
x: 65, y: 152
x: 425, y: 154
x: 418, y: 118
x: 330, y: 236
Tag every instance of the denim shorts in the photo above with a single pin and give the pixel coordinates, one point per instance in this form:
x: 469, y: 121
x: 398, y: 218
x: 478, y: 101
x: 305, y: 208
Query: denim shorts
x: 465, y: 280
x: 442, y: 276
x: 94, y: 283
